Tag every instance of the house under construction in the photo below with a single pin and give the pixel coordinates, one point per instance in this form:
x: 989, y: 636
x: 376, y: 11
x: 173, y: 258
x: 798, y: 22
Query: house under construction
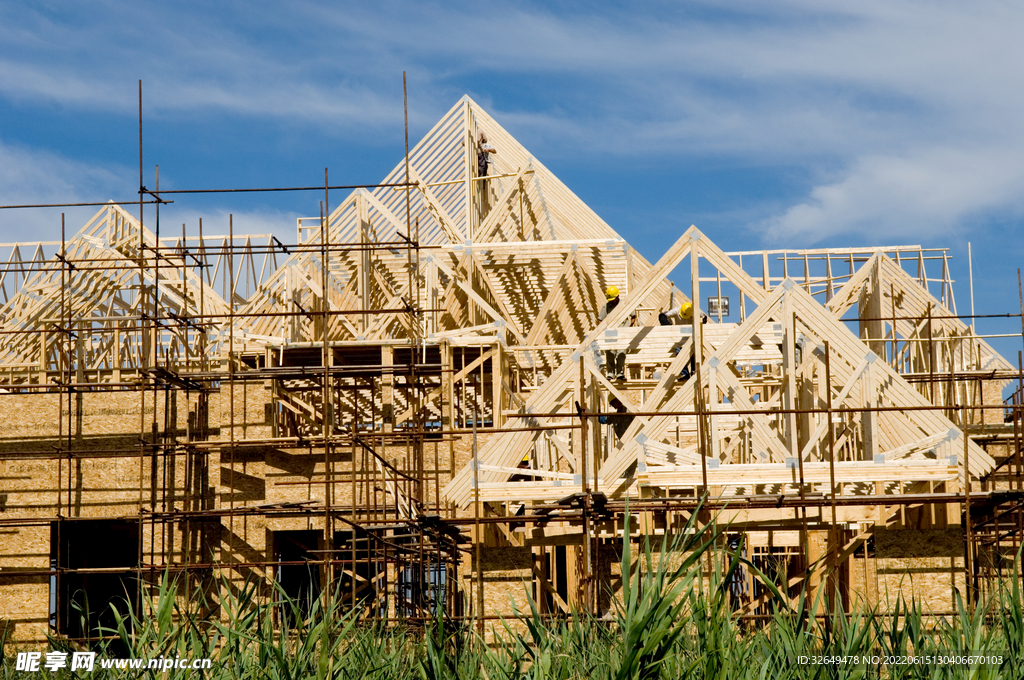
x: 408, y: 407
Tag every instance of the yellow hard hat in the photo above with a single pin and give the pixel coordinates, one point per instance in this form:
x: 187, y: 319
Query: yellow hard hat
x: 611, y: 292
x: 686, y: 311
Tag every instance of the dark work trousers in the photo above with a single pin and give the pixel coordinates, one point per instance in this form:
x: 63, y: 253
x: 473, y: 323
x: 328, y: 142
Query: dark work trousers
x: 614, y: 362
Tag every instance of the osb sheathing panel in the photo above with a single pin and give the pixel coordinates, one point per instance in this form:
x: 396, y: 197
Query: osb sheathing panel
x: 85, y: 486
x: 243, y: 544
x: 33, y: 422
x: 924, y: 565
x: 29, y: 418
x: 294, y: 524
x: 95, y: 487
x: 248, y: 415
x: 992, y: 393
x: 25, y: 599
x: 27, y: 604
x: 507, y: 578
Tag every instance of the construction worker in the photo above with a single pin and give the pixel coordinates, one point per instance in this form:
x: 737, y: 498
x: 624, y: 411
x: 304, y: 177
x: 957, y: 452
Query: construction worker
x: 684, y: 313
x: 483, y: 156
x: 620, y: 422
x: 611, y: 295
x: 614, y: 359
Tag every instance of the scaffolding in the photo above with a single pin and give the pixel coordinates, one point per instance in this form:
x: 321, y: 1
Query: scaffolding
x: 417, y: 387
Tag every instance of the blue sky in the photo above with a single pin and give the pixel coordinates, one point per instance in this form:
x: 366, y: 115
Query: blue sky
x: 785, y: 124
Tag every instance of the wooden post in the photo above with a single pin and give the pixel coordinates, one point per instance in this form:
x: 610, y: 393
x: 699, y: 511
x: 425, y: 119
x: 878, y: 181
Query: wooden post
x: 469, y: 162
x: 817, y: 551
x: 698, y: 355
x: 872, y: 326
x: 79, y: 378
x: 42, y: 357
x: 789, y: 377
x: 870, y: 418
x: 364, y: 265
x: 496, y: 398
x: 387, y: 387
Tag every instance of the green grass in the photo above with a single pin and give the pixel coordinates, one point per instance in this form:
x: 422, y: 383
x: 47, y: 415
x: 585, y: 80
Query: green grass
x: 670, y: 621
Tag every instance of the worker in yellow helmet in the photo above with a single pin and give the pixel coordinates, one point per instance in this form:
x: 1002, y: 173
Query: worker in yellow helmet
x: 684, y: 313
x: 615, y: 359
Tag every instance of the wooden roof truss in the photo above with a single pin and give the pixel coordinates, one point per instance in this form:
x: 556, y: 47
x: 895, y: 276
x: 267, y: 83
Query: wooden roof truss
x: 774, y: 359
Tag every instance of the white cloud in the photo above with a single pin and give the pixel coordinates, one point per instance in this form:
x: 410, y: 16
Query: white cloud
x: 40, y: 176
x: 925, y: 194
x: 258, y: 221
x: 32, y: 176
x: 738, y: 79
x: 918, y: 102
